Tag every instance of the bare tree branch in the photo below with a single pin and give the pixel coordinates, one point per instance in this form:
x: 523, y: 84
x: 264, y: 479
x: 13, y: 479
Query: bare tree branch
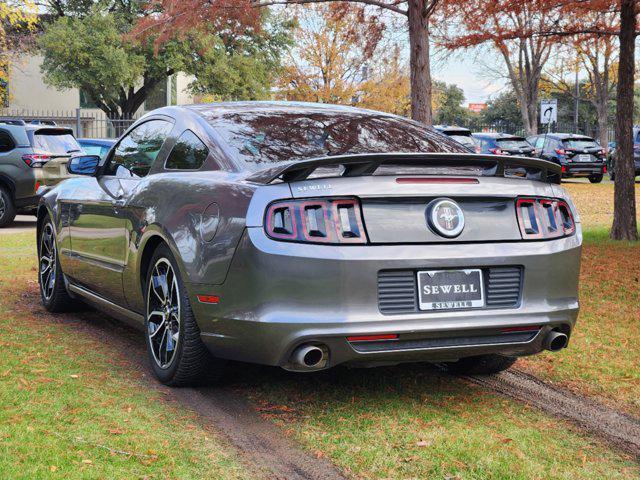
x: 387, y: 6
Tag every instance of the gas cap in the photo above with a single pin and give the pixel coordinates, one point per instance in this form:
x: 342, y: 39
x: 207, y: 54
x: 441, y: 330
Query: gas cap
x: 209, y: 222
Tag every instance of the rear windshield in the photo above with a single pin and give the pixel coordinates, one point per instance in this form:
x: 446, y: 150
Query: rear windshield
x: 464, y: 140
x: 268, y: 137
x: 508, y: 143
x: 580, y: 143
x: 55, y: 142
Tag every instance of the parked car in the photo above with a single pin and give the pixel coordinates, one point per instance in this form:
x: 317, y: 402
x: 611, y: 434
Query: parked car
x: 31, y: 154
x: 611, y: 159
x: 503, y: 144
x: 96, y: 146
x: 307, y: 236
x: 579, y: 155
x: 459, y: 134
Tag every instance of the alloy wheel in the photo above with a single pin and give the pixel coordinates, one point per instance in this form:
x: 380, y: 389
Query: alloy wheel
x: 163, y: 313
x: 47, y: 261
x: 3, y: 205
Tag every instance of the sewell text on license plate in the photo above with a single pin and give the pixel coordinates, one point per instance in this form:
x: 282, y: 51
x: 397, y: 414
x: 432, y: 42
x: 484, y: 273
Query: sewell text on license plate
x: 450, y: 289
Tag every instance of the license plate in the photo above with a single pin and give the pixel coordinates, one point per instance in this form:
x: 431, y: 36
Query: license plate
x: 450, y: 289
x: 584, y: 158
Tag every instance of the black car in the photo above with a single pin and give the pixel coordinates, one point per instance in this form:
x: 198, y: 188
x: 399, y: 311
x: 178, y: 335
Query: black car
x: 579, y: 155
x: 459, y: 134
x: 504, y: 144
x: 613, y: 154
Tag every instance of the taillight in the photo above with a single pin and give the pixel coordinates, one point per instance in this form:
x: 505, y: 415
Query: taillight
x: 35, y: 160
x: 544, y: 218
x: 561, y: 151
x: 497, y: 151
x: 316, y: 221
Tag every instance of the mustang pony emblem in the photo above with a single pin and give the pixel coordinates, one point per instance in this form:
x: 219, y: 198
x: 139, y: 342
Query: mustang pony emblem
x: 445, y: 217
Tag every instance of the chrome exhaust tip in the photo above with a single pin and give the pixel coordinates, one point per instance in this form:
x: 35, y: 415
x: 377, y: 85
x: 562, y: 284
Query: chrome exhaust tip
x: 555, y: 341
x: 309, y: 357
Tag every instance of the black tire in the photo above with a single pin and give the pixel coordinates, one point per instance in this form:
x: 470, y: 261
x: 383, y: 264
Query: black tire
x: 53, y: 290
x: 7, y: 207
x: 190, y: 361
x: 481, y: 364
x: 595, y: 178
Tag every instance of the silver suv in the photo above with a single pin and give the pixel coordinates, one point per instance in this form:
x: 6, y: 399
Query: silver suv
x: 32, y: 155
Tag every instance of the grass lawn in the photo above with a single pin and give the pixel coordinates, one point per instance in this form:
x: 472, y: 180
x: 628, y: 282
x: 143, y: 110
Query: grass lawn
x: 73, y: 407
x: 70, y: 405
x: 412, y: 422
x: 603, y: 358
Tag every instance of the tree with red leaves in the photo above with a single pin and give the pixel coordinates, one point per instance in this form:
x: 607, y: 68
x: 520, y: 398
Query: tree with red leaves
x: 561, y: 20
x: 187, y: 13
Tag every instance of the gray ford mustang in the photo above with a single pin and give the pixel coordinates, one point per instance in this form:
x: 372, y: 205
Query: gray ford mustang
x: 307, y: 236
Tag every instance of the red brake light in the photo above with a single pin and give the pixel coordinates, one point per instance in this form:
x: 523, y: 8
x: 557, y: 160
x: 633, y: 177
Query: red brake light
x: 316, y: 221
x: 35, y: 160
x: 544, y: 218
x: 497, y: 151
x: 561, y: 151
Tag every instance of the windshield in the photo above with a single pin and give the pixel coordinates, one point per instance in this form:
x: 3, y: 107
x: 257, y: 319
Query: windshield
x: 509, y: 143
x: 268, y: 137
x: 580, y: 143
x: 56, y: 142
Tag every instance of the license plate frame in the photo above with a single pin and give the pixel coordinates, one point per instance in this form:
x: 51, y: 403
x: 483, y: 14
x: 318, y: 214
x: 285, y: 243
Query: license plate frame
x: 465, y: 296
x: 584, y: 157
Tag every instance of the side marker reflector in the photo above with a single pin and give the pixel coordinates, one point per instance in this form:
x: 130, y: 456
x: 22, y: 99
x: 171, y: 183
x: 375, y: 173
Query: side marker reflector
x: 373, y: 338
x: 212, y: 299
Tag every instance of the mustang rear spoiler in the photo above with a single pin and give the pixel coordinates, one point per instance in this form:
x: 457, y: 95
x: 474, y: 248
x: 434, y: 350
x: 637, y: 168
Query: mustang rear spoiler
x: 366, y: 164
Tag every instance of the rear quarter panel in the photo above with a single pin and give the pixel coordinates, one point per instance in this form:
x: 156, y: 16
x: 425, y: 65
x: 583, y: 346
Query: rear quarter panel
x: 173, y: 206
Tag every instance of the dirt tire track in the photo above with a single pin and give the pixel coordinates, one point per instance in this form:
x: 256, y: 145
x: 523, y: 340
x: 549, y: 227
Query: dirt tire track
x: 266, y: 450
x: 261, y: 445
x: 615, y: 427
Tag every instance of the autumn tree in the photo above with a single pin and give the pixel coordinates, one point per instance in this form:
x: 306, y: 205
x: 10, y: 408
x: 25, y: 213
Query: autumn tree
x: 504, y: 25
x: 17, y: 21
x: 566, y: 19
x: 335, y: 45
x: 416, y: 12
x: 109, y: 50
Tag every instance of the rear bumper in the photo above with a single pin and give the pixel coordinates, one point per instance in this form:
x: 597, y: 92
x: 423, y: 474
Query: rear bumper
x: 582, y: 170
x: 280, y: 295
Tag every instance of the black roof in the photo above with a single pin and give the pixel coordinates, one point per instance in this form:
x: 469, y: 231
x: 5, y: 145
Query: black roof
x: 565, y: 136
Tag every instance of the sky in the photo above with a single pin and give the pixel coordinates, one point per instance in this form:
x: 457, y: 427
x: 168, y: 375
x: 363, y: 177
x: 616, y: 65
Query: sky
x: 466, y: 72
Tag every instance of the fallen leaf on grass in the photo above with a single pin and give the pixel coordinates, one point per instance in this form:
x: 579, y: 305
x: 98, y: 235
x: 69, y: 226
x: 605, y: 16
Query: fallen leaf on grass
x: 423, y: 443
x: 74, y: 376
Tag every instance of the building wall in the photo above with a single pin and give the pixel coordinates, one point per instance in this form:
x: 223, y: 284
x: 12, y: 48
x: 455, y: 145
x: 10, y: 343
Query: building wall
x: 29, y: 93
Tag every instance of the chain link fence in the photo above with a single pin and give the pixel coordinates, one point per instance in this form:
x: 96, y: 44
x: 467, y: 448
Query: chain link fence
x: 86, y: 123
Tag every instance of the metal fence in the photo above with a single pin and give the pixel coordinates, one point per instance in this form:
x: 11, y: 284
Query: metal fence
x: 516, y: 129
x: 86, y: 123
x: 93, y: 123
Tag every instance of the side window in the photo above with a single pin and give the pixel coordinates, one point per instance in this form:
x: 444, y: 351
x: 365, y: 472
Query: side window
x: 539, y: 143
x: 138, y: 150
x: 189, y: 153
x: 6, y: 142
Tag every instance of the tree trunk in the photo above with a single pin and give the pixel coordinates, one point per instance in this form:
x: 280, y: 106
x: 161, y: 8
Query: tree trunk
x: 624, y: 211
x: 419, y: 62
x: 602, y: 110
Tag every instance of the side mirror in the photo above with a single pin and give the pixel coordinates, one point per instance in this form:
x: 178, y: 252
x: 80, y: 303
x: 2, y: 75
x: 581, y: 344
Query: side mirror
x: 83, y: 165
